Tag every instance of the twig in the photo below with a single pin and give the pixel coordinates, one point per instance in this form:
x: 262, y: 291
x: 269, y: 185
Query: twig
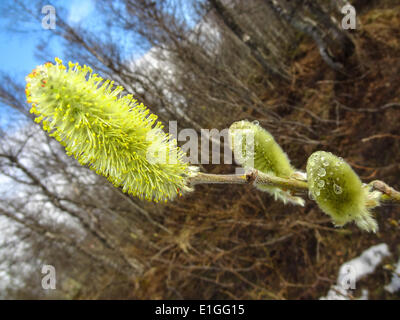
x: 293, y: 184
x: 379, y: 136
x: 207, y: 178
x: 389, y: 192
x: 249, y: 177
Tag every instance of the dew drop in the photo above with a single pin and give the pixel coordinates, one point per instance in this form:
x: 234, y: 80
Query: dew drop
x: 325, y: 163
x: 317, y: 192
x: 337, y: 189
x: 256, y: 122
x: 321, y: 183
x: 321, y: 172
x: 310, y: 195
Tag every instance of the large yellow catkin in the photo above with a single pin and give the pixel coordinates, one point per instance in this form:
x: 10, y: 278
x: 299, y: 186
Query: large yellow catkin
x: 113, y: 134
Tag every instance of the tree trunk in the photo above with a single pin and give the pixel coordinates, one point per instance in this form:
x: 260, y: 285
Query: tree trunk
x: 231, y: 23
x: 334, y: 44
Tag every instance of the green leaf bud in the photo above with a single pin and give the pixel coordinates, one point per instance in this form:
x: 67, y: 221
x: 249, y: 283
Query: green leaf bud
x: 255, y: 148
x: 112, y: 134
x: 339, y: 191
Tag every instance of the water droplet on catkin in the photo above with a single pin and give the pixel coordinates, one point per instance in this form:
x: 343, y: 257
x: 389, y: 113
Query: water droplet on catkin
x: 321, y: 172
x: 337, y: 189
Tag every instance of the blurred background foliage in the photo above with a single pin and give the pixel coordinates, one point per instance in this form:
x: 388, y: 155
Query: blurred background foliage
x: 204, y: 64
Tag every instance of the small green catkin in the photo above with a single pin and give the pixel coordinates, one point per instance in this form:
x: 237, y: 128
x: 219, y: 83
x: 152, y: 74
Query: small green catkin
x: 255, y: 148
x: 112, y: 134
x: 339, y: 192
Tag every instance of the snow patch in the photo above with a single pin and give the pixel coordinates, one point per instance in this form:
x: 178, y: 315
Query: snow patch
x: 394, y: 284
x: 355, y: 269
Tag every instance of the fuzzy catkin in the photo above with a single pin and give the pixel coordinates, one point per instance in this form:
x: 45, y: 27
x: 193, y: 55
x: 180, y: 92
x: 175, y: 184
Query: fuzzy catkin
x: 112, y: 134
x: 339, y: 191
x: 254, y: 147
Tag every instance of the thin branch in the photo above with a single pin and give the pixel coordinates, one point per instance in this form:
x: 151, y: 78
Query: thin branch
x: 390, y: 193
x: 380, y: 136
x: 207, y: 178
x: 293, y: 184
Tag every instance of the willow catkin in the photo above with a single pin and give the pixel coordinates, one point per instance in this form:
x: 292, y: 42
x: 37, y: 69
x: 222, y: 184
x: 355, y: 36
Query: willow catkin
x: 254, y: 147
x: 339, y: 191
x: 113, y: 134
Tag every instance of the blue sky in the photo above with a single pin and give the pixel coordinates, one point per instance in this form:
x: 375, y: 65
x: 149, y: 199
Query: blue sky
x: 18, y: 48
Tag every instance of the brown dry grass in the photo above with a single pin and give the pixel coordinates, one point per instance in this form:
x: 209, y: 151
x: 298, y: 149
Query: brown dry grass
x: 236, y: 242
